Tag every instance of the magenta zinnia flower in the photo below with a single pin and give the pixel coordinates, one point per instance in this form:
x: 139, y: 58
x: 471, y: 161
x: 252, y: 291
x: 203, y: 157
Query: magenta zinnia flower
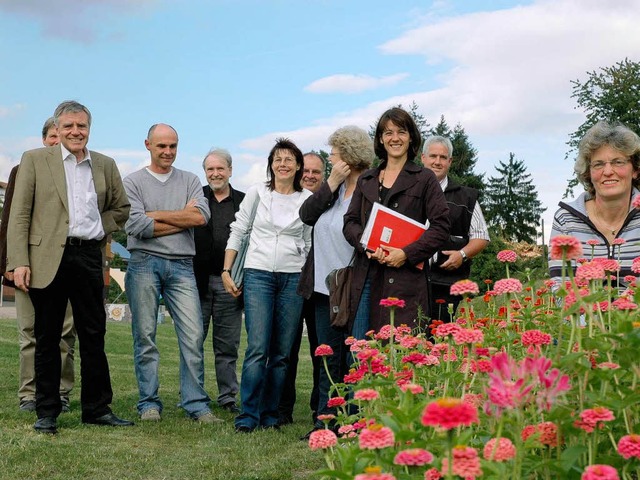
x: 321, y: 439
x: 566, y: 245
x: 413, y: 457
x: 629, y: 446
x: 448, y: 413
x: 392, y: 302
x: 507, y: 256
x: 505, y: 450
x: 464, y: 287
x: 336, y: 402
x: 375, y: 437
x: 507, y: 285
x: 600, y: 472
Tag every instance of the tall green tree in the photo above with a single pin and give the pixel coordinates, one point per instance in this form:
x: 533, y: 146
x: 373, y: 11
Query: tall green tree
x: 511, y: 202
x: 611, y: 94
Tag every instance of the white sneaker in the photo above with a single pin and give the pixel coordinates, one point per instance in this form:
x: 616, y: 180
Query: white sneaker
x: 151, y: 415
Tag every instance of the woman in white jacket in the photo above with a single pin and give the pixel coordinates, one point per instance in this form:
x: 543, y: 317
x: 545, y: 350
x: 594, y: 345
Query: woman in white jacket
x: 278, y: 246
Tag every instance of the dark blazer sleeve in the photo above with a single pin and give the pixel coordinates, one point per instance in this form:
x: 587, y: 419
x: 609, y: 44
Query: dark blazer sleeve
x: 318, y: 203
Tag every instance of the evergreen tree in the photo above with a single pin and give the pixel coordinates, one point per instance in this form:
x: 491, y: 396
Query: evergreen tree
x: 511, y: 202
x: 611, y: 94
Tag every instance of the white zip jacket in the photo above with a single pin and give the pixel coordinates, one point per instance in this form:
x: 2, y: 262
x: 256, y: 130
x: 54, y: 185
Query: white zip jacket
x: 270, y: 249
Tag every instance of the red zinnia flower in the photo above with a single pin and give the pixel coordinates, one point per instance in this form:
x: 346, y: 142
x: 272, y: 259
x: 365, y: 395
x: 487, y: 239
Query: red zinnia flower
x: 448, y: 413
x: 336, y: 402
x: 323, y: 351
x: 392, y: 302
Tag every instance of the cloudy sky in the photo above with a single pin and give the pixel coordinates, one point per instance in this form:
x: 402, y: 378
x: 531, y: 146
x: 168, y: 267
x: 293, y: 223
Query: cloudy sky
x: 237, y: 74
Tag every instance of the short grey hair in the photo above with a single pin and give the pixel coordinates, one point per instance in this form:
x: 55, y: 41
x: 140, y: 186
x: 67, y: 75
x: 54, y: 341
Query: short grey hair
x: 218, y: 152
x: 615, y: 135
x: 69, y: 106
x: 438, y: 139
x: 355, y: 146
x: 47, y: 126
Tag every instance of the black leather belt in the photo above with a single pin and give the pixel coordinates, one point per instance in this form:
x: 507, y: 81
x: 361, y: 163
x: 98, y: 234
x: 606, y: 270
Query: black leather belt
x: 81, y: 242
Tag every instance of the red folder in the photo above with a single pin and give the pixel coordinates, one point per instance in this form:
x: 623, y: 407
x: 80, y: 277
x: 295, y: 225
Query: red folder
x: 387, y: 227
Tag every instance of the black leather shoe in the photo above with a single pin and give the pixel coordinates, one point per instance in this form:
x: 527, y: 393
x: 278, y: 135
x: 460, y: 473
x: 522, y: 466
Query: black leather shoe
x: 244, y: 429
x: 110, y: 420
x: 46, y: 425
x: 231, y: 407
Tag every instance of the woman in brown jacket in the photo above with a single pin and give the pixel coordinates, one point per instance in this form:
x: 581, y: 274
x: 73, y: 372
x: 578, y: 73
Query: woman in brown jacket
x: 411, y: 190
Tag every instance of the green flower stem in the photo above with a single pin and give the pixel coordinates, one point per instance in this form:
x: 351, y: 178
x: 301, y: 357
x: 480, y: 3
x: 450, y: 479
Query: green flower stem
x: 326, y: 369
x: 392, y: 349
x: 450, y: 454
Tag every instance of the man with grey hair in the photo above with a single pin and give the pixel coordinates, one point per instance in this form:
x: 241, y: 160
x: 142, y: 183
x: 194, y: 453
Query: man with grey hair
x: 67, y: 201
x: 220, y: 309
x: 468, y: 236
x: 166, y: 205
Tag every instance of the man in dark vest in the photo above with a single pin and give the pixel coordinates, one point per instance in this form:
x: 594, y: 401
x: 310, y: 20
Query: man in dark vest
x: 468, y: 236
x: 219, y: 308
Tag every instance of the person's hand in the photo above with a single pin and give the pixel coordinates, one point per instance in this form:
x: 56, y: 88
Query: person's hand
x: 22, y: 278
x: 229, y: 285
x: 339, y: 172
x: 454, y: 261
x: 394, y: 257
x: 379, y: 255
x: 8, y: 276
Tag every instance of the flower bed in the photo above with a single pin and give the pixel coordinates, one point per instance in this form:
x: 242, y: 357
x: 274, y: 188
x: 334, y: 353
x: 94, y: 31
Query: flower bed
x: 540, y: 386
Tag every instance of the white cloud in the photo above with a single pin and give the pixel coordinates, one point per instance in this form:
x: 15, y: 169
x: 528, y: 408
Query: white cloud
x: 347, y: 83
x: 7, y: 111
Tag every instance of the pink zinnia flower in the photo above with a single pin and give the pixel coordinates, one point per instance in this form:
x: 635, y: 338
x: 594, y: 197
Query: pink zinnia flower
x: 629, y: 446
x: 548, y: 433
x: 590, y: 271
x: 593, y: 418
x: 635, y: 203
x: 464, y: 287
x: 413, y: 457
x: 376, y: 436
x: 432, y: 474
x: 508, y: 256
x: 468, y: 335
x: 624, y: 304
x: 321, y: 439
x: 367, y: 394
x: 374, y: 474
x: 600, y: 472
x: 609, y: 265
x: 419, y: 359
x: 593, y: 242
x: 466, y: 463
x: 446, y: 329
x: 412, y: 387
x: 565, y: 245
x: 392, y: 302
x: 505, y: 450
x: 507, y: 285
x: 619, y: 241
x: 635, y: 265
x: 336, y: 402
x: 535, y: 337
x: 608, y: 365
x: 323, y: 351
x: 448, y: 413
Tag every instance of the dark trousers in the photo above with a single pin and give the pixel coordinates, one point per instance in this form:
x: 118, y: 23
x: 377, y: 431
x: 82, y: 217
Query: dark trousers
x: 439, y: 310
x: 288, y: 397
x: 79, y: 280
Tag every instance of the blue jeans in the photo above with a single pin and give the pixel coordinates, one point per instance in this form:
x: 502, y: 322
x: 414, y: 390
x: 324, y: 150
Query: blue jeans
x: 272, y: 311
x: 148, y: 277
x: 339, y: 363
x: 224, y: 313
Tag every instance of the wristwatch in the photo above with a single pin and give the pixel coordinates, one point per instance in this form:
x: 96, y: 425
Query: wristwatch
x: 226, y: 270
x: 464, y: 256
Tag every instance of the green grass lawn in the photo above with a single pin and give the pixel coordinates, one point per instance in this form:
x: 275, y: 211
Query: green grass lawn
x: 175, y: 448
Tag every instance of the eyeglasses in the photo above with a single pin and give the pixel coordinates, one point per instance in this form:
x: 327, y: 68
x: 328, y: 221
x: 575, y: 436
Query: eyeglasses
x: 286, y: 161
x: 615, y: 163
